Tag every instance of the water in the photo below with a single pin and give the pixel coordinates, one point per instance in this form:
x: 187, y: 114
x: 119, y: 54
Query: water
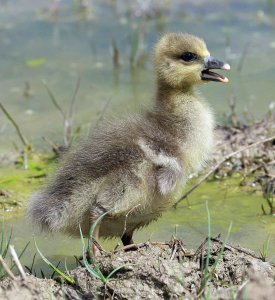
x: 188, y: 222
x: 36, y: 47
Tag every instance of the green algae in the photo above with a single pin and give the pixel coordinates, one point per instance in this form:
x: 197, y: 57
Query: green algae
x: 17, y: 183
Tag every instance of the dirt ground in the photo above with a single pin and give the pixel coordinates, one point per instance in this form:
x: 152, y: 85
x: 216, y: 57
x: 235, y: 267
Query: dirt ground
x: 249, y: 150
x: 160, y: 271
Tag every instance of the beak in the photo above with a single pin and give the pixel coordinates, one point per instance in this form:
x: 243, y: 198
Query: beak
x: 213, y: 63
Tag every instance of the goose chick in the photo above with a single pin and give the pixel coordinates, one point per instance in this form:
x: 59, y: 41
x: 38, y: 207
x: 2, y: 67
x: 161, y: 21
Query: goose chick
x: 136, y: 168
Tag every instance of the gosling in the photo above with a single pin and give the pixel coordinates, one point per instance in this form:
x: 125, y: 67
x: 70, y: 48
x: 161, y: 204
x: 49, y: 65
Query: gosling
x: 136, y: 168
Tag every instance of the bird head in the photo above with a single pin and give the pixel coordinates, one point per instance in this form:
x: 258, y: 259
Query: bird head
x: 182, y: 60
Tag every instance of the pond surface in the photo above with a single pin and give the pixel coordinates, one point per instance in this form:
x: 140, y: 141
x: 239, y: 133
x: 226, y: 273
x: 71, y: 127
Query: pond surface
x: 39, y: 43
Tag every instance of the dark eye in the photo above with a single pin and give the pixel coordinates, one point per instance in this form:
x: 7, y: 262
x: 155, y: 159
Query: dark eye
x: 188, y: 56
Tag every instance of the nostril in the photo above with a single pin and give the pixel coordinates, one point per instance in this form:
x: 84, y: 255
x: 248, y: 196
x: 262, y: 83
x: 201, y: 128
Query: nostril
x: 214, y: 62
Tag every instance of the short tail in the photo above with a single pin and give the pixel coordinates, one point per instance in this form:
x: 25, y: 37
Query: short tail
x: 42, y: 211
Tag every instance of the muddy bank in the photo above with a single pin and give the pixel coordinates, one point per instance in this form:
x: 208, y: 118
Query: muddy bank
x: 252, y: 148
x: 160, y: 271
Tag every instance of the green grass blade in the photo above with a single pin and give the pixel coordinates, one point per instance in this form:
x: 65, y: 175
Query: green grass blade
x: 65, y: 265
x: 222, y: 249
x: 206, y: 269
x: 28, y: 269
x: 33, y: 259
x: 116, y: 270
x: 96, y: 272
x: 86, y: 263
x: 57, y: 265
x: 67, y: 278
x: 5, y: 251
x: 2, y: 237
x: 90, y: 244
x: 23, y: 251
x: 264, y: 250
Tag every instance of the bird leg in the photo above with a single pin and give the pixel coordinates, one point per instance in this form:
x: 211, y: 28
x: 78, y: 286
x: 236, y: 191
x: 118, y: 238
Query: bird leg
x: 95, y: 239
x: 127, y: 238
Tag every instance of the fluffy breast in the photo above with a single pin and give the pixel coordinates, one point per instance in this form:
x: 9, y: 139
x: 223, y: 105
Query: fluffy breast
x: 198, y: 142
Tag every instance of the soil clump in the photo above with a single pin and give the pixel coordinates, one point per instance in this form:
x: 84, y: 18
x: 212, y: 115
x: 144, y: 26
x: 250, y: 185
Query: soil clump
x: 160, y: 271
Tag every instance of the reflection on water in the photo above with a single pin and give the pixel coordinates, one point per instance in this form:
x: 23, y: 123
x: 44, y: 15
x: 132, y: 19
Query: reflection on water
x: 58, y: 44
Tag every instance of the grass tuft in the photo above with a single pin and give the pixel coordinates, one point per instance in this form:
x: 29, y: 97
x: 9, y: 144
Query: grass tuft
x: 4, y: 246
x: 209, y: 273
x: 55, y: 268
x: 265, y: 249
x: 95, y: 271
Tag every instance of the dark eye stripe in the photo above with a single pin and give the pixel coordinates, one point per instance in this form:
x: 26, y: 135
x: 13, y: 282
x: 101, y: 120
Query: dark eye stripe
x: 188, y: 56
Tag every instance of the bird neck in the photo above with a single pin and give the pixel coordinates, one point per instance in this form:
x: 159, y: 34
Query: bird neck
x: 173, y: 101
x: 175, y: 109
